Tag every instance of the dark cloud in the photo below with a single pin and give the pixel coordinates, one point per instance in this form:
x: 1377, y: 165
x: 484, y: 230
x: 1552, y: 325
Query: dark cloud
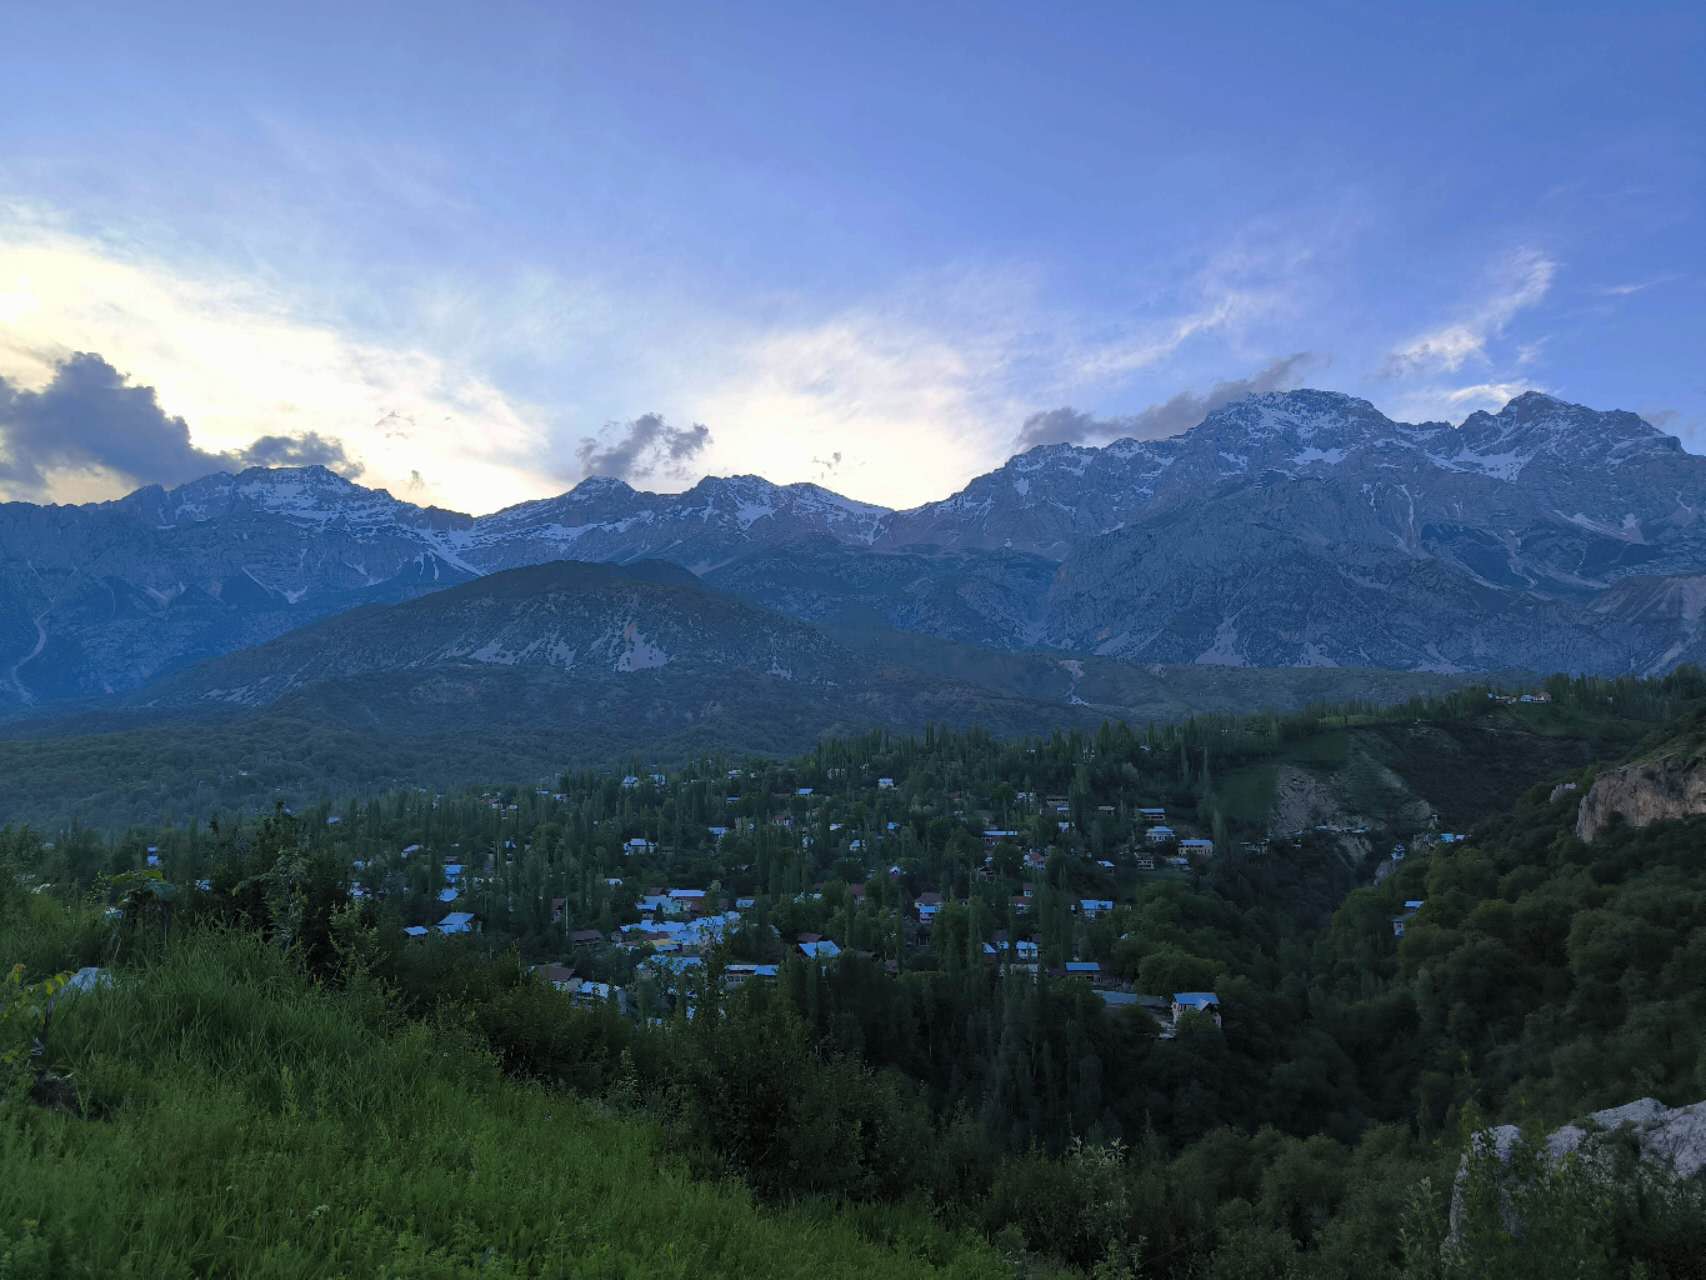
x: 1065, y: 425
x: 306, y: 450
x: 1168, y: 418
x: 642, y: 447
x: 92, y: 416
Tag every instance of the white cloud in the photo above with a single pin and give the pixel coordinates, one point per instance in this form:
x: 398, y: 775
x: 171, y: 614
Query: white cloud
x: 1520, y: 280
x: 1237, y: 287
x: 1485, y: 394
x: 1634, y: 287
x: 235, y: 360
x: 1444, y: 403
x: 911, y: 411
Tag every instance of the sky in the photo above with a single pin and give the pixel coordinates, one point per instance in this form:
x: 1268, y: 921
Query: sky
x: 475, y: 253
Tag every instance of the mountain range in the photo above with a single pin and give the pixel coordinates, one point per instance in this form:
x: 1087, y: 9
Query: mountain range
x: 1290, y: 529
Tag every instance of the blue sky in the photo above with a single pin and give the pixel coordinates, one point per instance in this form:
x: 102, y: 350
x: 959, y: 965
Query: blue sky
x: 467, y: 248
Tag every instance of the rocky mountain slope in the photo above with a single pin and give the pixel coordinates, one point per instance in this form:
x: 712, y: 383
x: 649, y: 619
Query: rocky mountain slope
x: 1294, y: 528
x: 1665, y: 782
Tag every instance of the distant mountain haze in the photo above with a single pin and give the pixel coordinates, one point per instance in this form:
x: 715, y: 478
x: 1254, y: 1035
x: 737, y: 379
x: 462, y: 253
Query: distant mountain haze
x: 1287, y: 529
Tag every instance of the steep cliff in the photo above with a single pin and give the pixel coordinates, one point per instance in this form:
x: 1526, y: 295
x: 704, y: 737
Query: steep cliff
x: 1669, y: 784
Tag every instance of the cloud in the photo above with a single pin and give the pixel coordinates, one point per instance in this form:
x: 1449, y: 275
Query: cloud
x: 1520, y: 280
x: 306, y: 450
x: 1064, y: 425
x: 911, y: 393
x: 239, y: 359
x: 1494, y: 394
x: 92, y: 418
x: 1166, y: 418
x: 1638, y: 286
x: 642, y: 447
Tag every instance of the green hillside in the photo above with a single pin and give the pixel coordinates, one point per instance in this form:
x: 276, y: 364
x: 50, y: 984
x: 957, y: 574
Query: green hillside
x: 234, y: 1118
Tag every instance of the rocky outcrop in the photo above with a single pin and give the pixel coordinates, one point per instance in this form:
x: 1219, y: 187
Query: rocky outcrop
x: 1644, y: 792
x: 1672, y: 1139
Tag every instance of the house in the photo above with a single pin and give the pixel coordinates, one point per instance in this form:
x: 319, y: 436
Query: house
x: 674, y: 965
x: 885, y: 784
x: 586, y: 938
x: 1117, y: 999
x: 413, y: 848
x: 1197, y: 847
x: 557, y: 907
x: 717, y: 833
x: 639, y: 844
x: 735, y: 974
x: 1196, y: 1002
x: 416, y: 930
x: 1021, y: 906
x: 821, y: 950
x: 453, y: 871
x: 1152, y: 814
x: 1093, y: 907
x: 803, y: 791
x: 594, y: 994
x: 1083, y: 969
x: 995, y: 834
x: 630, y: 782
x: 1398, y: 851
x: 687, y: 901
x: 1160, y: 834
x: 447, y: 895
x: 745, y: 904
x: 1411, y: 906
x: 1146, y: 864
x: 457, y: 922
x: 559, y: 976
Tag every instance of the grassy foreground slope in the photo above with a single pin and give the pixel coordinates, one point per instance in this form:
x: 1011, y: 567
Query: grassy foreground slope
x: 238, y: 1120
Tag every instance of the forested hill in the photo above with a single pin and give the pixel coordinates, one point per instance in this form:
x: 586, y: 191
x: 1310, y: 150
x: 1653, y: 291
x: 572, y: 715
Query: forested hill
x: 908, y: 987
x: 517, y: 675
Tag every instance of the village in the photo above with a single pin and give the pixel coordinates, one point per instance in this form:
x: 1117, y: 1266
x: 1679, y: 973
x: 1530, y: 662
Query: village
x: 634, y: 892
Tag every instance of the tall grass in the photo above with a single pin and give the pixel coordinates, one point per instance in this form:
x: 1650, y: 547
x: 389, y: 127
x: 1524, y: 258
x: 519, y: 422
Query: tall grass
x: 235, y: 1120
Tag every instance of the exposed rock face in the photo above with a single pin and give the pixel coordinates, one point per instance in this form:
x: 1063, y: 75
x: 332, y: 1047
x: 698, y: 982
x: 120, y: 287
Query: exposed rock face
x: 1672, y: 1138
x: 1641, y: 793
